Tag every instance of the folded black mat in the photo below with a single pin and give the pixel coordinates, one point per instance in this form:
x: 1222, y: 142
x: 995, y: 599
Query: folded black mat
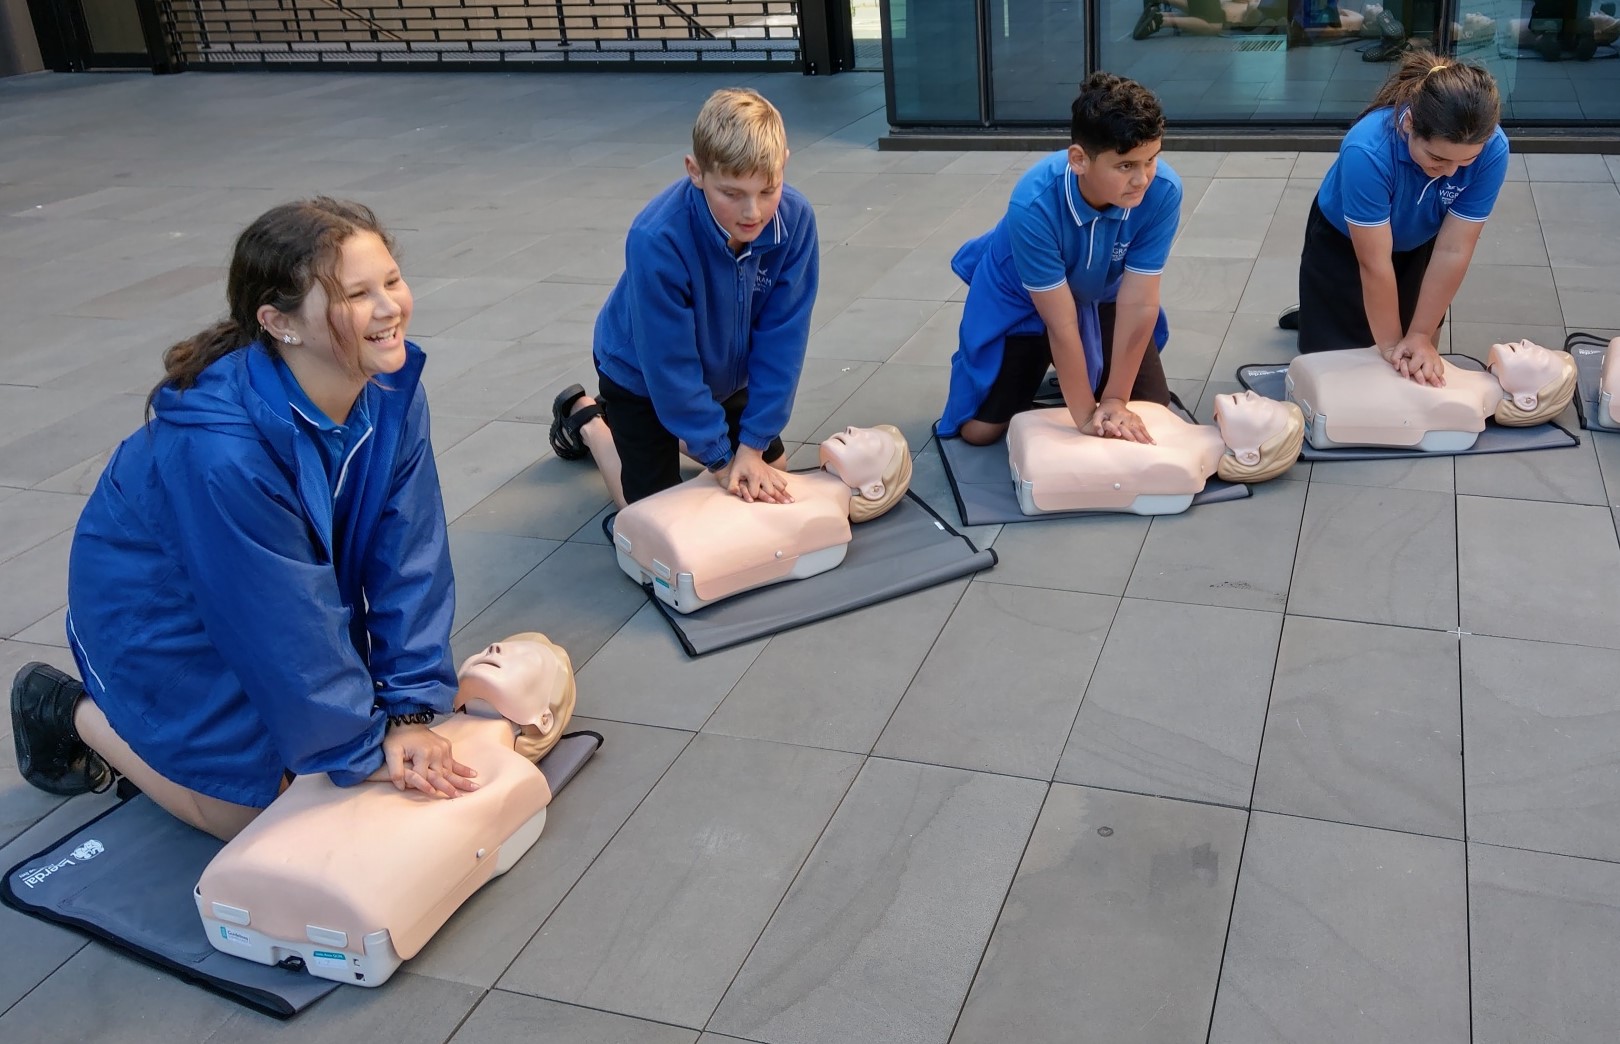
x: 981, y: 479
x: 126, y: 878
x: 1269, y: 379
x: 1589, y: 350
x: 904, y: 550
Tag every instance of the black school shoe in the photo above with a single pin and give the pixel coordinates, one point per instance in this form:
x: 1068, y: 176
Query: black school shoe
x: 1288, y: 318
x: 50, y: 754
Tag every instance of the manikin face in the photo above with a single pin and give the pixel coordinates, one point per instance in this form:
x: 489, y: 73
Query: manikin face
x: 859, y: 457
x: 1524, y: 368
x: 1247, y: 420
x: 515, y: 678
x: 1118, y: 179
x: 743, y: 204
x: 1437, y: 156
x: 372, y: 317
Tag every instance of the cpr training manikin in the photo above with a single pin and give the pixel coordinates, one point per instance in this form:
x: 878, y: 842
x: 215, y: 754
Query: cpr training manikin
x: 351, y: 881
x: 697, y: 544
x: 1355, y: 398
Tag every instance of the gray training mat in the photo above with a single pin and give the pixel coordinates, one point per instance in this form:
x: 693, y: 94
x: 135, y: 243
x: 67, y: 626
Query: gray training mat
x: 904, y: 550
x: 1269, y: 379
x: 981, y: 479
x: 126, y: 878
x: 1588, y: 350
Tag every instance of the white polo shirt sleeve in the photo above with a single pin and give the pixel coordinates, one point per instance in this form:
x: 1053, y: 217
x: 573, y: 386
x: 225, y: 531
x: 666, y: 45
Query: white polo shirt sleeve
x: 1150, y: 245
x: 1366, y: 187
x: 1489, y: 171
x: 1036, y: 249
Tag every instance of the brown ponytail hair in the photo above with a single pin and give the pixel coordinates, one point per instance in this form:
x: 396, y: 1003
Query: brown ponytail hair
x: 1449, y: 100
x: 277, y: 260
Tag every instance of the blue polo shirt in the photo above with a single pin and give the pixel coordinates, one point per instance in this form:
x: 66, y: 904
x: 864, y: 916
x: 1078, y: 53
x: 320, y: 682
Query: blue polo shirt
x: 1376, y: 182
x: 336, y: 443
x: 1051, y: 237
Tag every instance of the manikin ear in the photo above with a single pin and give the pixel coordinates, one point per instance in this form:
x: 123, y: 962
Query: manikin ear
x: 873, y: 490
x: 1525, y: 401
x: 1247, y: 456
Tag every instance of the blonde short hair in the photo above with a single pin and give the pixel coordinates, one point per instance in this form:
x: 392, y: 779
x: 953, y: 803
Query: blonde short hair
x: 896, y: 478
x: 1550, y: 401
x: 739, y: 133
x: 1276, y: 456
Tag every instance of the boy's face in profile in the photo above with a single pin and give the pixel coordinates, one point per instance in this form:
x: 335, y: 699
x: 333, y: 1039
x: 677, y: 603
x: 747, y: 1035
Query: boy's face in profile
x: 743, y: 204
x: 1118, y: 179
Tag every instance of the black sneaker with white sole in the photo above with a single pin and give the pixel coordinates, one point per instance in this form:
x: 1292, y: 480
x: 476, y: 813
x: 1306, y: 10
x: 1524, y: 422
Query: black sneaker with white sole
x: 1288, y: 318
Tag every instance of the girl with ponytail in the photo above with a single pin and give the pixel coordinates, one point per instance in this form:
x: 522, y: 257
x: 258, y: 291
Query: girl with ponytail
x: 1397, y: 218
x: 260, y: 584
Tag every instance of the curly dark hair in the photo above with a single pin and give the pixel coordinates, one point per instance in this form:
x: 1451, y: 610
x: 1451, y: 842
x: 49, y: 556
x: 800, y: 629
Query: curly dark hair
x: 1113, y: 114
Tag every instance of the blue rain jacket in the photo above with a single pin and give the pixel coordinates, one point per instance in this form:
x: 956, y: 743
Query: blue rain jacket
x: 689, y: 323
x: 222, y: 625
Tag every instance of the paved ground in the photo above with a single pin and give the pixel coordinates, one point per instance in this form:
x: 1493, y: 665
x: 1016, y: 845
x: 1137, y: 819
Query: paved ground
x: 1335, y: 763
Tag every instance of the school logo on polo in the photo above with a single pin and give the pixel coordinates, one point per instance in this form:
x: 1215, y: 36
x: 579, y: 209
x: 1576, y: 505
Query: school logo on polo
x: 1449, y: 193
x: 1120, y: 248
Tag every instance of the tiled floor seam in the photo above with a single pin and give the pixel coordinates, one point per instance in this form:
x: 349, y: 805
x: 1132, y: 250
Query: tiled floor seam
x: 1462, y: 766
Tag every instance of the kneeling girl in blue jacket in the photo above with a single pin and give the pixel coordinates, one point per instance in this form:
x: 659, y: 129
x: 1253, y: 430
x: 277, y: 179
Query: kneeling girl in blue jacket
x: 260, y: 583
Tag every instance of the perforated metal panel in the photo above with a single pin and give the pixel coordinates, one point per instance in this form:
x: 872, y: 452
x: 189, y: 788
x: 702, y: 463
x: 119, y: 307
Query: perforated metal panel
x: 472, y: 34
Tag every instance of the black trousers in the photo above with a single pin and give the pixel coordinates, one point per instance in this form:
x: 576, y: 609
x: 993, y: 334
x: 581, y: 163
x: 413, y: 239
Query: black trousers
x: 649, y: 455
x: 1025, y: 359
x: 1332, y: 312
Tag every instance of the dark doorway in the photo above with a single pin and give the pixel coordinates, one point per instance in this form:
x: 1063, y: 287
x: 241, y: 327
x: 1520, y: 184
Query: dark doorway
x: 81, y: 35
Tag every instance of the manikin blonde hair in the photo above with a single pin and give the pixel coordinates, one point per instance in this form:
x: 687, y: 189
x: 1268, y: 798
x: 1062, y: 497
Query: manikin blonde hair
x: 1277, y: 454
x: 739, y: 133
x: 896, y: 479
x: 1550, y: 401
x: 529, y: 742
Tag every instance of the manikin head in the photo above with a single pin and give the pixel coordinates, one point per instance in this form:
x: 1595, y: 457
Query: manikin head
x: 525, y: 679
x: 1263, y: 436
x: 875, y: 462
x: 1537, y: 383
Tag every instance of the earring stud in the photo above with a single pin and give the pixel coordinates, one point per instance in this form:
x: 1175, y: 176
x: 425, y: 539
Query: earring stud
x: 288, y: 338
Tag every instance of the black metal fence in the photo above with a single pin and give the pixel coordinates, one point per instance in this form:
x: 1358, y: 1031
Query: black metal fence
x: 204, y: 34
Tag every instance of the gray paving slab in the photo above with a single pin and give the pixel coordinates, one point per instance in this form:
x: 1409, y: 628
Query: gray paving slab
x: 493, y: 927
x: 862, y: 947
x: 660, y: 924
x: 1570, y: 552
x: 36, y: 584
x: 1562, y: 476
x: 1195, y: 340
x: 1000, y: 689
x: 1239, y: 554
x: 1363, y: 728
x: 486, y: 565
x: 643, y: 675
x: 1541, y: 769
x: 28, y: 518
x: 909, y: 397
x: 549, y: 499
x: 502, y: 1017
x: 1344, y: 934
x: 1094, y: 553
x: 1508, y: 295
x: 1115, y: 925
x: 412, y: 1009
x: 485, y: 461
x: 599, y: 600
x: 1378, y: 555
x: 127, y: 1001
x: 1177, y: 703
x: 834, y: 683
x: 1542, y: 939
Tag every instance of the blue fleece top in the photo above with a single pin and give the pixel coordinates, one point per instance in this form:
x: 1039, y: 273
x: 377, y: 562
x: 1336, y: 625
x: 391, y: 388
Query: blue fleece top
x: 689, y: 323
x: 1051, y: 237
x: 226, y: 625
x: 1375, y: 182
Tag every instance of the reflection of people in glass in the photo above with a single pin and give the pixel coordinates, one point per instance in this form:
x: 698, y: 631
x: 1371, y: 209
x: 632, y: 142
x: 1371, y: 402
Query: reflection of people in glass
x: 1396, y: 221
x: 1557, y: 27
x: 1210, y: 17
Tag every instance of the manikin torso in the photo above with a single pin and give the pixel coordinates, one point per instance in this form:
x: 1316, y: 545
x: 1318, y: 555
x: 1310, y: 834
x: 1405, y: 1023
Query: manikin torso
x: 1355, y: 398
x: 697, y: 544
x: 353, y: 880
x: 1055, y: 468
x: 1609, y: 385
